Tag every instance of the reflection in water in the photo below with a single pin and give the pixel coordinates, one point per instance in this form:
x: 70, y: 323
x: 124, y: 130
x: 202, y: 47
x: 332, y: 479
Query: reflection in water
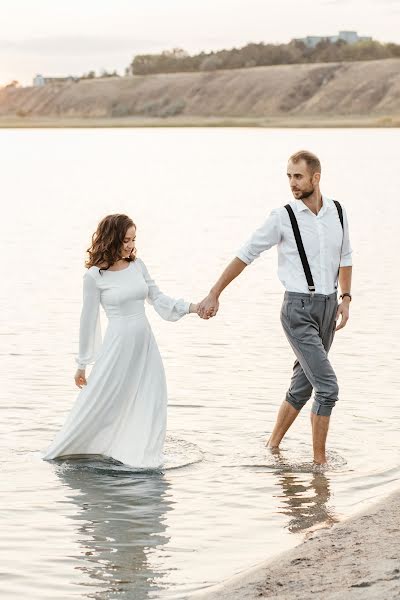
x: 120, y: 525
x: 225, y: 379
x: 305, y: 497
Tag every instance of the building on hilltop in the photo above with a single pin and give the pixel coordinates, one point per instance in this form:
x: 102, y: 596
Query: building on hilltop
x: 350, y: 37
x: 40, y: 81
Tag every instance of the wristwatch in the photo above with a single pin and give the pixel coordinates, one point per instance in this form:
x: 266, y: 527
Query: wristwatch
x: 344, y: 296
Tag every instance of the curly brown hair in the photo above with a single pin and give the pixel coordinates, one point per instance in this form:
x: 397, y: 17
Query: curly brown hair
x: 107, y: 241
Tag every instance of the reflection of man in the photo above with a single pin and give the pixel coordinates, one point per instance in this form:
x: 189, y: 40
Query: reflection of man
x: 305, y: 502
x: 313, y: 242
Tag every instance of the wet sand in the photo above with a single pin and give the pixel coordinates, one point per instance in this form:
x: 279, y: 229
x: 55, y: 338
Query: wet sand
x: 356, y: 559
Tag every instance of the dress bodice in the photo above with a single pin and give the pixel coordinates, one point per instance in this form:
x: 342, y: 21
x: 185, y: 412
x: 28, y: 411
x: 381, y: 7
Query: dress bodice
x: 121, y: 294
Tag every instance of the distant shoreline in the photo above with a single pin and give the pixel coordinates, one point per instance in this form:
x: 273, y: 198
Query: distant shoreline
x: 251, y: 122
x: 351, y: 94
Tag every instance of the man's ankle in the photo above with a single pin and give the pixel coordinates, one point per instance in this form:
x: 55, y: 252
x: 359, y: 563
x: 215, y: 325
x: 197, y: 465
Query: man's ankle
x: 272, y: 447
x: 320, y: 459
x: 273, y: 443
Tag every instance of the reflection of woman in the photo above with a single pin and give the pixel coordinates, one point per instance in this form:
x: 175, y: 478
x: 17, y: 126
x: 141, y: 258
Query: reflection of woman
x: 121, y: 410
x: 121, y: 527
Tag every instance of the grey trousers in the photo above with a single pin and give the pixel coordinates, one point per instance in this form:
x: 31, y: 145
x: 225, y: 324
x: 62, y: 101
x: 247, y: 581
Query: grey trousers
x: 309, y: 324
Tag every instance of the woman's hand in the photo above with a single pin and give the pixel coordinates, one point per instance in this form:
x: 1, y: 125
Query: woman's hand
x: 80, y: 378
x: 208, y: 307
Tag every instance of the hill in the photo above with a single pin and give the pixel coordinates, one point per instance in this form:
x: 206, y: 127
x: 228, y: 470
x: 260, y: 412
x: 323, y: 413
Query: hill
x: 351, y: 92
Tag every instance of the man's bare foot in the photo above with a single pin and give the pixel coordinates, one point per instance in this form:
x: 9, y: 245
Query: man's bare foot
x: 319, y: 458
x: 271, y: 448
x: 319, y: 467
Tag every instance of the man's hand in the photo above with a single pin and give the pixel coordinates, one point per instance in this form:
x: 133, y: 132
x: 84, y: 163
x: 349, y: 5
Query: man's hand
x: 343, y: 312
x: 80, y: 378
x: 208, y: 307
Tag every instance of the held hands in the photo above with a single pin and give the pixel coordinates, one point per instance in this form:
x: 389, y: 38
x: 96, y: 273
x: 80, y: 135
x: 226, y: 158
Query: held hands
x: 208, y: 307
x: 80, y: 379
x: 343, y: 312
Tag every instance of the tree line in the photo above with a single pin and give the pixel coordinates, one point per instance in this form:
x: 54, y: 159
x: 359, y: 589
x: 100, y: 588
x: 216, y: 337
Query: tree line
x: 257, y: 55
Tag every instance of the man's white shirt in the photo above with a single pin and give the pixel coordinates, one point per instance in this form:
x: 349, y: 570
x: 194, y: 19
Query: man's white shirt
x: 325, y: 242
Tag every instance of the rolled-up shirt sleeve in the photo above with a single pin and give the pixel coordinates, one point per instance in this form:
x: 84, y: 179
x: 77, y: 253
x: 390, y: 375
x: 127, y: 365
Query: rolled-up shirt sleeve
x: 266, y: 236
x: 90, y: 329
x: 170, y: 309
x: 346, y: 254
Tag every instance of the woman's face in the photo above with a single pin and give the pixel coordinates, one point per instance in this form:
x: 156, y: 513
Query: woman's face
x: 128, y: 244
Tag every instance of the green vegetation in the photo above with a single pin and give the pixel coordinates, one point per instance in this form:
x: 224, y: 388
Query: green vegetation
x: 257, y: 55
x: 103, y: 74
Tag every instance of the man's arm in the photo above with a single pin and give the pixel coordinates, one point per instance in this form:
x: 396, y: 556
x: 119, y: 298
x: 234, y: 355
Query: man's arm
x: 345, y: 271
x: 262, y: 239
x: 209, y: 306
x: 345, y: 287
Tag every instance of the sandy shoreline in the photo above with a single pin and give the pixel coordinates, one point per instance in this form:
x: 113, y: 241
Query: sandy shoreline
x: 10, y: 122
x: 356, y: 559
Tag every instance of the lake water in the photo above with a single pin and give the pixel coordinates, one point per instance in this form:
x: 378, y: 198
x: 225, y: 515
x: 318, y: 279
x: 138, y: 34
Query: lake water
x: 86, y: 530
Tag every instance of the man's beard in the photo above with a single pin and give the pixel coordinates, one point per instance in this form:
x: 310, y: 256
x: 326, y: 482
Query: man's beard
x: 305, y: 195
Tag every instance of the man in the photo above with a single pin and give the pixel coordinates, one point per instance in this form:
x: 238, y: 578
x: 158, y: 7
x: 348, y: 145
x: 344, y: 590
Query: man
x: 311, y: 262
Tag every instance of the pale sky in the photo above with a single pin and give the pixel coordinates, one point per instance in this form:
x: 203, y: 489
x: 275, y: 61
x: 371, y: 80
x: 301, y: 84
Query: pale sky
x: 57, y: 38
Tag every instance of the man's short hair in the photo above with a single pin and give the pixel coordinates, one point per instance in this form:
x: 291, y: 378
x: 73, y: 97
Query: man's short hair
x: 312, y: 161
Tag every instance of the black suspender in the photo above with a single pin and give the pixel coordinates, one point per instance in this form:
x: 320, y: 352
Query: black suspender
x: 300, y: 247
x: 340, y: 212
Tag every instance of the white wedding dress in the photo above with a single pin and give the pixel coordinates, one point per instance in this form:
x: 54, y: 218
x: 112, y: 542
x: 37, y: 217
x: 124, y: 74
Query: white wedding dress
x: 121, y: 412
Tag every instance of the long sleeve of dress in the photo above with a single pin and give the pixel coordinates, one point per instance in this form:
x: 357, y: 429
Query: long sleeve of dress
x: 168, y: 308
x: 90, y: 329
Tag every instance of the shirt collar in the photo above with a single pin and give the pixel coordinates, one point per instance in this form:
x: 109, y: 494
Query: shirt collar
x: 326, y: 205
x: 300, y: 205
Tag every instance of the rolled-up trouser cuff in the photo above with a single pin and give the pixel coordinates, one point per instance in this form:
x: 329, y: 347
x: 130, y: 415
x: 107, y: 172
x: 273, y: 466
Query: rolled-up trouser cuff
x: 297, y: 404
x: 321, y: 409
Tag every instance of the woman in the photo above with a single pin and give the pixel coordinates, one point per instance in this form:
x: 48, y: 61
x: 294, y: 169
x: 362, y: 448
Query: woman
x: 121, y: 410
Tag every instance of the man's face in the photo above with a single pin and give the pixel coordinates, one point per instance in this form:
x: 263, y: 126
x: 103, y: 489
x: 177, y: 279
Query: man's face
x: 302, y: 182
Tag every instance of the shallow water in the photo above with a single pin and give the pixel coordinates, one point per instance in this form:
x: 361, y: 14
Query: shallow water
x: 90, y: 529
